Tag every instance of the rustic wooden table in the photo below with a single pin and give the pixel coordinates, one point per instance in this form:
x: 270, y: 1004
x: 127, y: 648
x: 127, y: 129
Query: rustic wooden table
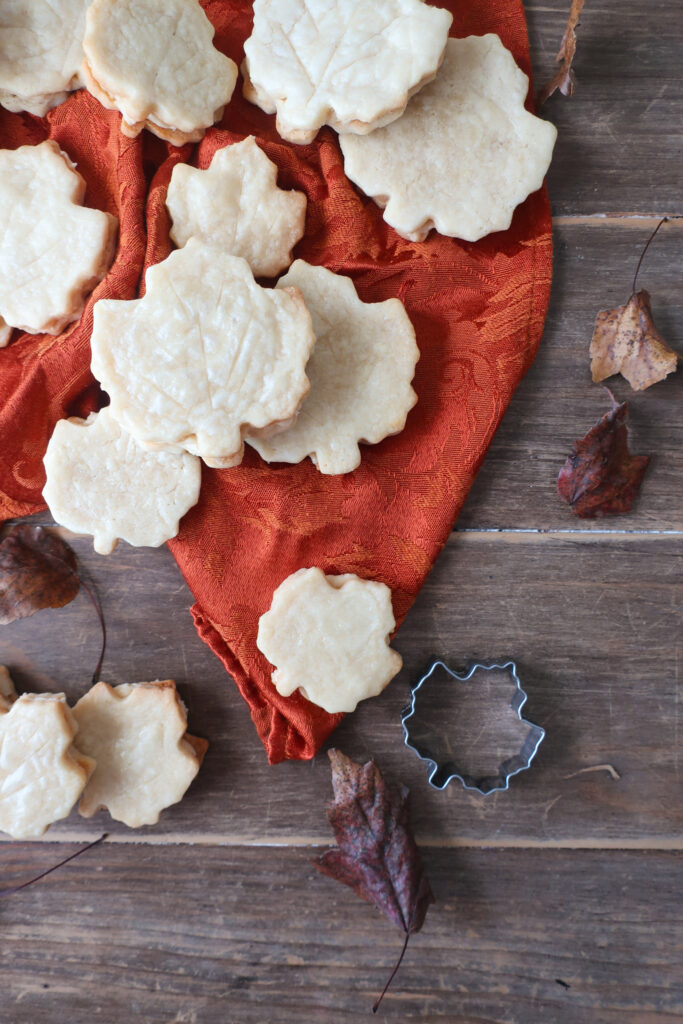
x: 558, y: 901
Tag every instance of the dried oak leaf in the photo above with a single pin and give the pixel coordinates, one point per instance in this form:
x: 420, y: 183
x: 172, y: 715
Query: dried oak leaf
x: 37, y: 570
x: 626, y: 341
x: 564, y: 79
x: 601, y: 477
x: 377, y: 854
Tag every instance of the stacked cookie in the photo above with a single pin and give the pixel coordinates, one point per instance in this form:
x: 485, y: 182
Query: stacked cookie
x: 53, y: 250
x: 209, y: 359
x: 153, y: 60
x: 460, y: 156
x: 124, y: 748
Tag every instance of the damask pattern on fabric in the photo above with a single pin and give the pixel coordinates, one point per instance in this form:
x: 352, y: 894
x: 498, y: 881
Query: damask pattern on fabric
x: 478, y: 311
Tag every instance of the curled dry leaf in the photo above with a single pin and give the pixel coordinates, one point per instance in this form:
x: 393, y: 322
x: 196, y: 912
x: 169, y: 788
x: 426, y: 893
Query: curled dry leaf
x: 37, y: 570
x: 377, y: 855
x: 601, y: 477
x: 626, y: 341
x: 564, y: 79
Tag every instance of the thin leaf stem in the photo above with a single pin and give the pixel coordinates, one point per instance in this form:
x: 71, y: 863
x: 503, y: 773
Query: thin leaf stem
x: 100, y: 616
x: 664, y: 220
x: 393, y: 974
x: 61, y: 863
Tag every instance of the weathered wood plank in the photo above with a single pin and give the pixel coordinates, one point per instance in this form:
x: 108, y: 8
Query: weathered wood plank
x: 594, y: 624
x: 203, y: 936
x: 557, y: 401
x: 619, y: 139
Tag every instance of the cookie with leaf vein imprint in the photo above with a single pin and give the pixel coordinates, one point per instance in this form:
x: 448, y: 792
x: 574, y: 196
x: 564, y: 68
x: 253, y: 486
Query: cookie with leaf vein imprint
x: 53, y: 250
x: 464, y: 155
x: 328, y: 636
x: 235, y: 204
x: 360, y: 371
x: 42, y: 774
x: 206, y: 356
x: 101, y: 481
x: 41, y: 51
x: 155, y: 62
x: 352, y: 66
x: 137, y: 733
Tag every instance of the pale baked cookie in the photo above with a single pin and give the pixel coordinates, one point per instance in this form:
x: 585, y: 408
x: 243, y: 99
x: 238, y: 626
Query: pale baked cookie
x: 5, y: 333
x: 360, y: 373
x: 101, y: 481
x: 53, y: 251
x: 205, y: 356
x: 41, y: 774
x: 236, y: 204
x: 154, y: 60
x: 137, y: 733
x: 41, y: 51
x: 339, y: 62
x: 328, y: 636
x: 8, y: 694
x: 464, y: 154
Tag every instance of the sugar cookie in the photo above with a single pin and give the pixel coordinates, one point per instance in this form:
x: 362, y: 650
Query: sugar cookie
x: 8, y: 694
x: 137, y: 733
x: 352, y: 66
x: 101, y: 481
x: 41, y: 774
x: 360, y: 373
x: 205, y: 356
x: 53, y: 251
x: 236, y: 204
x: 328, y: 636
x: 154, y: 60
x: 464, y: 154
x: 41, y: 50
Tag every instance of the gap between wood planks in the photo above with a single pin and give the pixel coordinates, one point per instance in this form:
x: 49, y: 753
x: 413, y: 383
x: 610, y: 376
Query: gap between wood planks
x: 523, y: 534
x: 647, y: 843
x: 625, y: 219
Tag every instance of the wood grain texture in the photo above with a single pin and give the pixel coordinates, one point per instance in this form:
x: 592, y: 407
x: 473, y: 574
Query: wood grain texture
x: 557, y: 401
x: 246, y: 933
x: 204, y: 936
x: 620, y: 135
x: 593, y: 623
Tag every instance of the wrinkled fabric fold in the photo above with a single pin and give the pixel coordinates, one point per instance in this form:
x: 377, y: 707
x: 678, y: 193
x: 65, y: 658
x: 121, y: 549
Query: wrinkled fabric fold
x: 478, y: 310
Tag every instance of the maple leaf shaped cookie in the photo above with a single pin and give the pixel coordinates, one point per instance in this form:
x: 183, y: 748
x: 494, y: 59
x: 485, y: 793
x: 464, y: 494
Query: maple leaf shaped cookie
x: 236, y: 204
x: 360, y: 372
x: 352, y: 66
x: 41, y: 50
x: 205, y: 356
x: 154, y: 60
x: 101, y: 481
x: 328, y: 636
x: 464, y: 154
x: 42, y: 774
x: 53, y: 251
x: 137, y: 733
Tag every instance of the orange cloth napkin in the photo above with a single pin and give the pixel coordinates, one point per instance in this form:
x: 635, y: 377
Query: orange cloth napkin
x: 478, y: 310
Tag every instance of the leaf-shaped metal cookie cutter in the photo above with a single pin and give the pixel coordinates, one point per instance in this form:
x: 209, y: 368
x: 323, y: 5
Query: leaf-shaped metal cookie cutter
x: 442, y: 772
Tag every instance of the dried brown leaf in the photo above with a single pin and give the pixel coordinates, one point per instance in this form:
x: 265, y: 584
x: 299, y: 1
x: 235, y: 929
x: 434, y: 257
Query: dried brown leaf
x: 564, y: 78
x: 601, y: 477
x: 37, y: 570
x: 626, y: 341
x: 376, y: 853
